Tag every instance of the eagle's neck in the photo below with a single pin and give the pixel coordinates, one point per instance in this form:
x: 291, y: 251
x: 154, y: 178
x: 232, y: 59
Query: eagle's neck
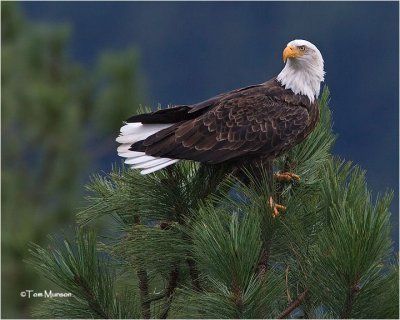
x: 302, y: 77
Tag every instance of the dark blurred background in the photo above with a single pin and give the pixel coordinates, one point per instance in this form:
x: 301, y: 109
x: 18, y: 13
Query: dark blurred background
x: 72, y: 71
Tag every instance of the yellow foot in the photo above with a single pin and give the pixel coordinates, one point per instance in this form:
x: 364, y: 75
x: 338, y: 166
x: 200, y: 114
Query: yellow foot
x: 275, y: 208
x: 286, y: 176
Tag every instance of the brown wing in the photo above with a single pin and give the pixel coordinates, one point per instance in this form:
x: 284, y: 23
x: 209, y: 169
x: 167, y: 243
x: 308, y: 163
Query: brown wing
x: 257, y: 121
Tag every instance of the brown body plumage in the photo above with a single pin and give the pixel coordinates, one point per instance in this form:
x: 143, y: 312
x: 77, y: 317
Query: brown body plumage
x: 255, y: 122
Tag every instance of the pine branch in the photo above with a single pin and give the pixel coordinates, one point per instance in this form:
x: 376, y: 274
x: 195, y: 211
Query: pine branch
x: 194, y: 274
x: 263, y: 263
x: 93, y: 302
x: 173, y: 281
x: 143, y: 284
x: 144, y: 293
x: 237, y: 297
x: 348, y: 307
x: 172, y: 284
x: 157, y: 297
x: 293, y: 305
x: 79, y: 268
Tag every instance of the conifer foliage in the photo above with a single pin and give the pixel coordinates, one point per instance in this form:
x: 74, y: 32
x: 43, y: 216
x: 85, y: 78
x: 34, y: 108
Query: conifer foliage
x: 192, y: 241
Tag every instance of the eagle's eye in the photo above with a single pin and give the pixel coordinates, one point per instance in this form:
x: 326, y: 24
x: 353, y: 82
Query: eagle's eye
x: 302, y: 48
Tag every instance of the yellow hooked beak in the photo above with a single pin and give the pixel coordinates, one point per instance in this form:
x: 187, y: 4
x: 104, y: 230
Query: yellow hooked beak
x: 291, y: 52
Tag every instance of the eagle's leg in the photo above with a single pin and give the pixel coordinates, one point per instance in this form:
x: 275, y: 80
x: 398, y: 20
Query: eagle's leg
x: 258, y: 169
x: 268, y: 167
x: 275, y: 207
x: 282, y: 176
x: 286, y: 176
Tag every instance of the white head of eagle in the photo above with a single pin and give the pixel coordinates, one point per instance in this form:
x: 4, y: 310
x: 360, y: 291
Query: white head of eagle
x: 304, y: 69
x: 258, y: 122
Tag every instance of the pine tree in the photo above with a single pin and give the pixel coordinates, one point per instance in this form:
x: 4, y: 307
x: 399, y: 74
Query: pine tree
x: 55, y: 120
x: 192, y: 241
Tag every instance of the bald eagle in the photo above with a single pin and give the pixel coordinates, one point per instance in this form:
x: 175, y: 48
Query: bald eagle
x: 258, y: 122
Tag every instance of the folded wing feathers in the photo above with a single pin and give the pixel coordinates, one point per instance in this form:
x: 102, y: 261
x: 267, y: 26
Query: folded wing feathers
x: 136, y: 131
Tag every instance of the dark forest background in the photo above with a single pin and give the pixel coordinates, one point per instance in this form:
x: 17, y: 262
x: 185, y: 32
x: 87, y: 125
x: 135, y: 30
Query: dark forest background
x: 120, y: 55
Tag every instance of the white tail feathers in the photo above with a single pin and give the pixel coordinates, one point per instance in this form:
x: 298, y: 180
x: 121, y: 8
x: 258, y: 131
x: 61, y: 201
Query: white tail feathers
x: 161, y: 166
x: 133, y: 132
x: 150, y: 163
